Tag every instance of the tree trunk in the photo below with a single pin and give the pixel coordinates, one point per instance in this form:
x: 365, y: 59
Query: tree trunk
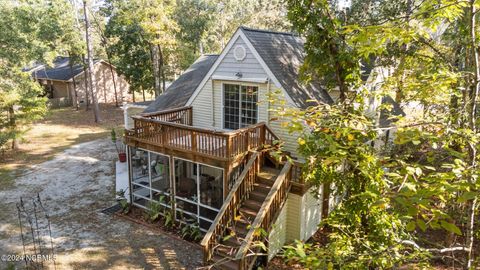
x: 75, y: 94
x: 85, y: 75
x: 161, y: 65
x: 13, y: 126
x: 472, y: 121
x: 113, y: 80
x: 155, y: 55
x: 143, y: 93
x: 91, y: 74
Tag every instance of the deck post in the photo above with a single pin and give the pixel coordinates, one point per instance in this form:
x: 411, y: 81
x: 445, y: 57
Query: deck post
x: 190, y: 116
x: 193, y: 135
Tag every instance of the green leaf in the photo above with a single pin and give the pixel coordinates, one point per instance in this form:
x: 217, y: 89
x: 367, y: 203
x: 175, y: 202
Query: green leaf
x: 450, y: 227
x: 466, y: 196
x: 421, y: 224
x: 411, y: 226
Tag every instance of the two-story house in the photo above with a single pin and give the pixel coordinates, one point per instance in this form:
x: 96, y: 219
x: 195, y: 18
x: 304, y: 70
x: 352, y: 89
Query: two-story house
x: 204, y: 146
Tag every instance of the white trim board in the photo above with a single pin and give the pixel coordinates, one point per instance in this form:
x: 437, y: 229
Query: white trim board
x: 235, y: 79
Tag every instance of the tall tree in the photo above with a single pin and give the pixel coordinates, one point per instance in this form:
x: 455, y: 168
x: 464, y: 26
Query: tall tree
x: 91, y: 70
x: 392, y: 197
x: 31, y: 31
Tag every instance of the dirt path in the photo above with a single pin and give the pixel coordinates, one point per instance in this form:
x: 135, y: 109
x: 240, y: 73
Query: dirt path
x: 74, y: 187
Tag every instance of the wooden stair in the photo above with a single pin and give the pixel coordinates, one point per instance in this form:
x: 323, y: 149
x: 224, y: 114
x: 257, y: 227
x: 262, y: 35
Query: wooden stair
x: 224, y: 254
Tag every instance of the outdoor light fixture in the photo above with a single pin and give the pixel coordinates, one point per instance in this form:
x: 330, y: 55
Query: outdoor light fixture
x: 239, y: 75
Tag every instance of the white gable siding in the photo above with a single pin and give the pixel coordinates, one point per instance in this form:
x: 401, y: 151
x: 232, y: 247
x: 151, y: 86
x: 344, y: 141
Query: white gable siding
x: 249, y: 67
x: 277, y: 122
x: 202, y: 107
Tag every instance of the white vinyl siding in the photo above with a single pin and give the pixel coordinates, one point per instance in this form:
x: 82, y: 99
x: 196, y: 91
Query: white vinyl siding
x: 298, y: 220
x: 311, y: 215
x: 278, y: 233
x: 279, y: 103
x: 249, y: 67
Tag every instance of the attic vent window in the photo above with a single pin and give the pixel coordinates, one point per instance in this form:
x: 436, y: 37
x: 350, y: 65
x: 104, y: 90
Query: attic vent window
x: 239, y: 52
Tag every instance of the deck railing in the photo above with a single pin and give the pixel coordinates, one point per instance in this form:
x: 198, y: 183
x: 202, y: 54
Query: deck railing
x: 182, y: 115
x: 229, y: 210
x: 267, y: 214
x: 172, y: 129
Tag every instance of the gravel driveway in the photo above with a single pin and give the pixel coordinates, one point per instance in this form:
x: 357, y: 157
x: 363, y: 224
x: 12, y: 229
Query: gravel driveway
x: 74, y: 187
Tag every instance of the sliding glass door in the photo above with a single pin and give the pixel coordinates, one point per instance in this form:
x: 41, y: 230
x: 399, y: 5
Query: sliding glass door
x: 240, y: 107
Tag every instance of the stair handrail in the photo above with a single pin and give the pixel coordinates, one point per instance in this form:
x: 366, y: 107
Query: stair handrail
x: 230, y: 205
x: 279, y: 192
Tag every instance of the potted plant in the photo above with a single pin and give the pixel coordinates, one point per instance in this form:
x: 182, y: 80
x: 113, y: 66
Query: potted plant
x: 122, y: 156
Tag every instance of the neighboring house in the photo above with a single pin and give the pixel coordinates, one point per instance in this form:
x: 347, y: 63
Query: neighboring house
x: 65, y: 85
x: 204, y: 146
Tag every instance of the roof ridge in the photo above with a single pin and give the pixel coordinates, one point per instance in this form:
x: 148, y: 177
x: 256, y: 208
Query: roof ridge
x: 269, y: 31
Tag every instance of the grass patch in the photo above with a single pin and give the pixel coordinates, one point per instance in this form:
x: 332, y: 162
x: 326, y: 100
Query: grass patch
x: 6, y: 178
x: 60, y: 129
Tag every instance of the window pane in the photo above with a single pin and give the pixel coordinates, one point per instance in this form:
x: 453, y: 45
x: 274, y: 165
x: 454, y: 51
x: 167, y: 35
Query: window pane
x: 211, y: 186
x: 249, y: 105
x: 139, y: 163
x: 231, y: 109
x: 185, y: 180
x: 160, y: 171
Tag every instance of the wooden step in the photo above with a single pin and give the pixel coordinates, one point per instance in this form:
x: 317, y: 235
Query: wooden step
x: 248, y: 213
x: 253, y: 204
x: 233, y: 241
x: 220, y: 262
x: 267, y: 174
x: 241, y: 230
x: 261, y: 188
x: 258, y: 196
x: 227, y: 251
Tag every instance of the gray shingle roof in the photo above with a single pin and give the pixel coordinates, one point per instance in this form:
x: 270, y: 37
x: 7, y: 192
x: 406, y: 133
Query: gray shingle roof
x: 283, y: 53
x: 178, y: 93
x: 60, y: 70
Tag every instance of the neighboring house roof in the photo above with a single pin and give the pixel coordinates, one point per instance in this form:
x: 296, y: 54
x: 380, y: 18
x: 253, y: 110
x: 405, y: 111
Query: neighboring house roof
x: 60, y: 71
x: 178, y: 93
x: 284, y: 54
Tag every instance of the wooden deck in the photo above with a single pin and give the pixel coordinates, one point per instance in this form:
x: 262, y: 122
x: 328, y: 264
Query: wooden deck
x: 171, y: 132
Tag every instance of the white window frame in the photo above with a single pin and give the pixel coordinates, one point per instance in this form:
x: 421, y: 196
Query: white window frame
x: 240, y: 84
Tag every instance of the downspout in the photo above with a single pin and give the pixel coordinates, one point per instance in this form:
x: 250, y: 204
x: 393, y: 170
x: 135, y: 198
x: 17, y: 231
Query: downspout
x: 213, y: 103
x: 268, y: 101
x: 125, y: 114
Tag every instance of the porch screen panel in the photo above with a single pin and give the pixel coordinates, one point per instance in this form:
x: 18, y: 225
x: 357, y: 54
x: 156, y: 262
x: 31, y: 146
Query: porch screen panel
x: 160, y: 172
x: 140, y: 176
x: 231, y: 109
x: 211, y: 187
x: 249, y: 105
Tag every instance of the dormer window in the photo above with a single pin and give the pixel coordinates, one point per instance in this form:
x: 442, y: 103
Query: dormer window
x: 240, y: 107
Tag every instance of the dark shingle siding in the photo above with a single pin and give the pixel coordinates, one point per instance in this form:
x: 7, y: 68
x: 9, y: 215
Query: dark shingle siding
x: 178, y: 93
